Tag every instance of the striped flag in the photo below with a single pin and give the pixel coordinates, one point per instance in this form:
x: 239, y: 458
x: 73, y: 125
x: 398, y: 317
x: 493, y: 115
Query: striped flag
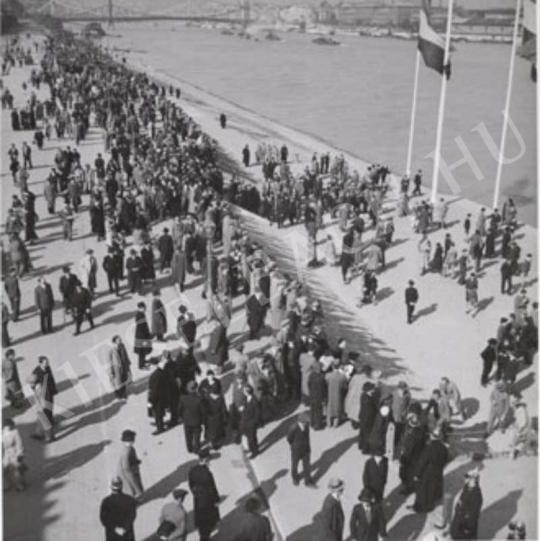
x: 528, y: 45
x: 430, y: 44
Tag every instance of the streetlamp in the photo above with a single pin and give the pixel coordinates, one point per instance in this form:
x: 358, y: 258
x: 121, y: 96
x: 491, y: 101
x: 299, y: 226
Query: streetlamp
x: 209, y: 231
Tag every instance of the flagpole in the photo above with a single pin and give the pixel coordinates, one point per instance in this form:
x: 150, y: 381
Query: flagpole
x: 438, y: 141
x: 413, y: 114
x: 506, y: 112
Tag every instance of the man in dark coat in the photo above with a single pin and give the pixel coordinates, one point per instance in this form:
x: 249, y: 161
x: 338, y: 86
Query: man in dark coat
x: 332, y: 518
x: 134, y: 267
x: 375, y: 476
x: 143, y: 337
x: 250, y: 420
x: 117, y: 514
x: 158, y: 393
x: 368, y: 412
x: 317, y: 395
x: 205, y: 495
x: 159, y: 317
x: 13, y: 292
x: 191, y: 409
x: 166, y: 248
x: 430, y: 474
x: 489, y: 356
x: 67, y: 286
x: 246, y: 155
x: 256, y: 313
x: 411, y: 298
x: 412, y: 444
x: 44, y: 386
x: 113, y: 270
x: 44, y: 300
x: 299, y: 441
x: 252, y: 526
x: 82, y: 307
x: 367, y: 519
x: 147, y: 257
x: 186, y: 327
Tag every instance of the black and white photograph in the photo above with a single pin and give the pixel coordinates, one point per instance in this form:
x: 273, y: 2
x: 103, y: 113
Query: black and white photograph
x: 269, y: 270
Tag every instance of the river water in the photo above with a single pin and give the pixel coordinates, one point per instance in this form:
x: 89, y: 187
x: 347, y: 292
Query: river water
x: 357, y: 96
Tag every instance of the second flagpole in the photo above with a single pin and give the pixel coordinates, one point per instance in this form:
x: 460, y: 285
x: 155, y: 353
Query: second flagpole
x: 438, y: 141
x: 413, y: 115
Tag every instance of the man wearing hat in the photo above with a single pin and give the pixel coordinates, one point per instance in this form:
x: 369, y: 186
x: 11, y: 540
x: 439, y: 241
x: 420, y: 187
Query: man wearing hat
x: 375, y: 475
x: 117, y: 513
x: 412, y: 444
x: 489, y: 356
x: 299, y: 441
x: 252, y: 525
x: 128, y: 466
x: 411, y: 298
x: 332, y: 518
x: 173, y: 517
x: 158, y: 392
x: 367, y: 519
x: 191, y: 409
x: 205, y: 496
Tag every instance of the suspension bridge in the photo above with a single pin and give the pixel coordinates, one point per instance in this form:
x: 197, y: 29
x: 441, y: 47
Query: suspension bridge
x: 111, y: 11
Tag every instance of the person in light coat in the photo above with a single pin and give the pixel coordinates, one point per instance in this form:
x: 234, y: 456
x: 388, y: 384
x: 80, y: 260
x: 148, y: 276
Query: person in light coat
x: 12, y: 457
x: 450, y: 390
x: 119, y: 367
x: 128, y: 466
x: 88, y: 268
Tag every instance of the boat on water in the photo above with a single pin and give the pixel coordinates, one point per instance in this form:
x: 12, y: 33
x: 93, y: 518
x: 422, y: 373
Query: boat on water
x: 227, y: 32
x: 325, y: 40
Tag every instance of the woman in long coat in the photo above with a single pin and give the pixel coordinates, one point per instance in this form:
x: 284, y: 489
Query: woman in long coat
x: 464, y: 523
x: 206, y: 497
x: 352, y: 400
x: 216, y: 417
x: 128, y: 466
x: 317, y: 395
x: 368, y: 412
x: 159, y: 317
x: 337, y: 387
x: 430, y: 474
x: 119, y: 367
x: 143, y: 337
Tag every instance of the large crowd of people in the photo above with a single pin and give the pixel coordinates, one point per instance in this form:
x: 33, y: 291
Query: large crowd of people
x: 159, y: 165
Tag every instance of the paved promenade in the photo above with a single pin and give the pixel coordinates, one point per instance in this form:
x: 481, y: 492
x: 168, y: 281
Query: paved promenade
x: 70, y: 476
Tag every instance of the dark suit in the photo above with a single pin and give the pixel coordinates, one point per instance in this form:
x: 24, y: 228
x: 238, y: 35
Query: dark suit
x: 113, y: 267
x: 118, y: 510
x: 332, y: 520
x: 187, y: 328
x: 299, y: 441
x: 253, y: 527
x: 166, y: 248
x: 367, y: 524
x: 82, y: 306
x: 44, y: 303
x: 158, y: 395
x: 489, y: 356
x: 375, y: 476
x: 13, y: 292
x: 191, y: 410
x: 250, y: 419
x: 67, y: 287
x: 206, y: 497
x: 411, y: 298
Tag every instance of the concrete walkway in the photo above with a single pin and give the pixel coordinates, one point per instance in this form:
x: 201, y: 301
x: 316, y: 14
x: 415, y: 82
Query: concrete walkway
x: 72, y: 474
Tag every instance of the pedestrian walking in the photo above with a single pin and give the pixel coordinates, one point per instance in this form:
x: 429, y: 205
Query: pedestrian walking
x: 205, y: 495
x: 299, y: 442
x: 128, y: 467
x: 411, y: 299
x: 117, y: 513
